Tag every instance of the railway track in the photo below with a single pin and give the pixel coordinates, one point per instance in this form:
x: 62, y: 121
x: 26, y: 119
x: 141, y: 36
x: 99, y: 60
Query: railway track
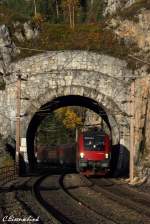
x: 45, y: 205
x: 84, y: 204
x: 108, y: 207
x: 64, y: 206
x: 17, y: 199
x: 13, y: 205
x: 127, y: 196
x: 73, y: 199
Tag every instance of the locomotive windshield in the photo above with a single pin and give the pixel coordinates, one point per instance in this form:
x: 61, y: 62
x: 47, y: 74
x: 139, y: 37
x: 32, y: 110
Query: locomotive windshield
x: 94, y: 142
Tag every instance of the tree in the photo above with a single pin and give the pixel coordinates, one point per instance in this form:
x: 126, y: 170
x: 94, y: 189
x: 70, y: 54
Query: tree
x: 57, y: 8
x: 58, y: 127
x: 35, y: 8
x: 49, y: 9
x: 22, y: 7
x: 92, y: 2
x: 70, y: 7
x: 51, y: 131
x: 69, y: 117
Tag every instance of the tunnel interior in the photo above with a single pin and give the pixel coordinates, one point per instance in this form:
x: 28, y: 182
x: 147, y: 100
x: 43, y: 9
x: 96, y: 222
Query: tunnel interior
x: 64, y: 101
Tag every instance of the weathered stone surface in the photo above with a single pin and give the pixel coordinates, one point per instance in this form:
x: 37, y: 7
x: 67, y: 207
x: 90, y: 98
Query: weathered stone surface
x: 7, y: 48
x: 113, y: 5
x: 29, y: 32
x: 142, y: 126
x: 19, y: 36
x: 136, y: 32
x: 61, y: 73
x: 103, y: 79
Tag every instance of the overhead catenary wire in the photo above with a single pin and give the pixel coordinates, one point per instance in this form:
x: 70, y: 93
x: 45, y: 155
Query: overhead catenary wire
x: 138, y: 59
x: 44, y: 50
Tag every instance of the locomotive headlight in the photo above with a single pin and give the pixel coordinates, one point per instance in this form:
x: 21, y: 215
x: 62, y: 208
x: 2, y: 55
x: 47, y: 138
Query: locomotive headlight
x: 82, y: 155
x: 106, y: 156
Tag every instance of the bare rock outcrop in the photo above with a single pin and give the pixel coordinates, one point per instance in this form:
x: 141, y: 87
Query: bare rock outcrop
x: 113, y: 5
x: 7, y: 49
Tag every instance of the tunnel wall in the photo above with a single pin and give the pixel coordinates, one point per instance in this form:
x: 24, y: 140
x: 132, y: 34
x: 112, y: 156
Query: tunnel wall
x: 50, y: 75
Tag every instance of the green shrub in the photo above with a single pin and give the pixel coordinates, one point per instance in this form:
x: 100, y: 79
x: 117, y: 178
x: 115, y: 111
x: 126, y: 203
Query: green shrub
x: 20, y: 6
x: 8, y: 16
x: 85, y: 37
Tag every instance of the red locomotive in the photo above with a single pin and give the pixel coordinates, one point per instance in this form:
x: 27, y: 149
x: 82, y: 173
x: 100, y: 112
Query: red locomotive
x: 93, y: 152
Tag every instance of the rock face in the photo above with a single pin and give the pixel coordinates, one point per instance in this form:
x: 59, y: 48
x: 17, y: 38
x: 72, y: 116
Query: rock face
x: 7, y: 49
x: 92, y: 118
x: 137, y: 32
x: 29, y: 32
x: 104, y: 79
x: 25, y: 32
x: 113, y: 5
x: 142, y: 126
x: 146, y: 160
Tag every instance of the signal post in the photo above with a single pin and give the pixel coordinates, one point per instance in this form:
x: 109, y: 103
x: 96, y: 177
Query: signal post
x: 18, y: 110
x: 18, y: 107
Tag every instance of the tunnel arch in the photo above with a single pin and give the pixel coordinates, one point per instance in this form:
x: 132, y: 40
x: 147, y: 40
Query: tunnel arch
x: 62, y: 101
x: 50, y: 75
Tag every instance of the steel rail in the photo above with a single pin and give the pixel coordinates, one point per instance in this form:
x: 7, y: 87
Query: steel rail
x: 83, y: 203
x: 45, y: 206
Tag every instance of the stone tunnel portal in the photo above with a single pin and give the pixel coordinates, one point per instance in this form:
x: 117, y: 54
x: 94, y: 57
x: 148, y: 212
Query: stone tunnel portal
x: 70, y: 100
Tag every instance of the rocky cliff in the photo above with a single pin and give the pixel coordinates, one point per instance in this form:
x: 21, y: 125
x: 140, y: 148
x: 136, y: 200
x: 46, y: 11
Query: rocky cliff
x: 129, y: 21
x: 142, y: 126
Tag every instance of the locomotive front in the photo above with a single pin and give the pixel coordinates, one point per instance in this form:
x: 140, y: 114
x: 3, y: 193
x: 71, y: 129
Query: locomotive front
x: 93, y: 152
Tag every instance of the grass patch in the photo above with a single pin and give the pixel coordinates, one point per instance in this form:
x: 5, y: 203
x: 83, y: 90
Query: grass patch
x: 92, y: 37
x: 85, y: 37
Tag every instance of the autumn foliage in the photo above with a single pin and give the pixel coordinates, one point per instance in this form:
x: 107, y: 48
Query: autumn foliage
x: 69, y: 117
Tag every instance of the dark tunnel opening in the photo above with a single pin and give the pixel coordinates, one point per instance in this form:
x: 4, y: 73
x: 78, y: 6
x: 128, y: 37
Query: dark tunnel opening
x: 71, y: 100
